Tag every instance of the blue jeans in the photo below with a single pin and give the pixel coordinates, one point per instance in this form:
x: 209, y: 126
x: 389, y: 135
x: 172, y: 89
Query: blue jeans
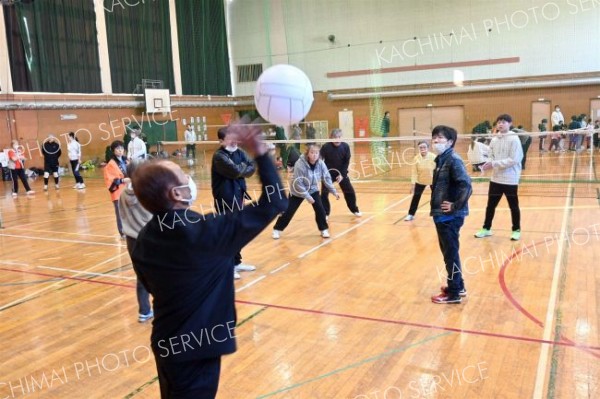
x: 448, y: 236
x: 143, y: 297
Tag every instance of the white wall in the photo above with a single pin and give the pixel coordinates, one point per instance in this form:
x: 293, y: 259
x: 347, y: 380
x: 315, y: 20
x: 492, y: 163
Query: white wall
x: 550, y: 37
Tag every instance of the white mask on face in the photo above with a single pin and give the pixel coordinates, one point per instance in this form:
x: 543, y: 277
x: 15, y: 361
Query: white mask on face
x: 440, y: 147
x: 15, y: 146
x: 193, y: 191
x: 231, y: 148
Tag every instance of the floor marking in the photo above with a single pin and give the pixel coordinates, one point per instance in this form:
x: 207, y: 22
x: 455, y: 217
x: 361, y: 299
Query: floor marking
x: 87, y: 273
x: 280, y: 268
x: 63, y: 240
x: 548, y: 324
x: 354, y: 365
x: 28, y: 296
x: 251, y: 283
x: 62, y: 232
x: 343, y: 233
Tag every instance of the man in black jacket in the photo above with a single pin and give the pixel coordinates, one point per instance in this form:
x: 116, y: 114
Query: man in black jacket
x: 450, y: 194
x: 336, y: 156
x: 185, y: 260
x: 51, y: 152
x: 230, y: 168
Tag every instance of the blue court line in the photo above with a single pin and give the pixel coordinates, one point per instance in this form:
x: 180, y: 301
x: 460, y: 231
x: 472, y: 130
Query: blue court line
x: 368, y: 360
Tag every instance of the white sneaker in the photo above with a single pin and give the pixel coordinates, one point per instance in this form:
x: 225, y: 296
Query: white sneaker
x: 56, y: 186
x: 408, y: 218
x: 14, y: 195
x: 76, y: 186
x: 30, y: 192
x: 243, y: 267
x: 81, y: 186
x: 325, y: 233
x: 276, y: 234
x: 45, y: 187
x: 358, y: 214
x: 236, y: 275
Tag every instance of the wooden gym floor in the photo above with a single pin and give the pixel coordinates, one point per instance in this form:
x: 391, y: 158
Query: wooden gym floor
x: 347, y: 317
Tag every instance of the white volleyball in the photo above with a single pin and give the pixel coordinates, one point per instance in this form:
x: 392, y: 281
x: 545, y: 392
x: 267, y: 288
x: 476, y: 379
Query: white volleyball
x: 283, y: 95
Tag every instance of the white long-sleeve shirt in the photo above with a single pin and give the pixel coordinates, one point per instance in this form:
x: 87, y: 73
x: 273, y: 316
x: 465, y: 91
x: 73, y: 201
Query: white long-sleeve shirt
x: 74, y: 150
x: 506, y: 155
x: 190, y: 136
x: 136, y: 149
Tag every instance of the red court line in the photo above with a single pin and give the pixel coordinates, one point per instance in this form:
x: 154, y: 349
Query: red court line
x: 516, y: 304
x: 68, y: 278
x: 421, y: 325
x: 567, y: 342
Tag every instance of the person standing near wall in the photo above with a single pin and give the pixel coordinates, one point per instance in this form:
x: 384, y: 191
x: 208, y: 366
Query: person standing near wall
x: 16, y: 165
x: 51, y: 152
x: 74, y: 152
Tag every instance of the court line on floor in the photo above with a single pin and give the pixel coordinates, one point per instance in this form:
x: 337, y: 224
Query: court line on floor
x: 357, y: 364
x: 62, y: 240
x: 87, y: 273
x: 420, y: 325
x: 29, y: 296
x: 548, y: 324
x: 324, y: 243
x: 61, y: 232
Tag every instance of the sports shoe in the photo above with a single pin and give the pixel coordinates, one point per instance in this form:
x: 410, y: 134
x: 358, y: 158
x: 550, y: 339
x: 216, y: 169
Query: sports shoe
x: 358, y: 213
x: 76, y: 186
x: 276, y: 234
x: 408, y: 218
x: 243, y: 267
x: 462, y: 293
x: 483, y: 233
x: 56, y: 186
x: 30, y: 192
x: 81, y: 186
x: 445, y: 299
x: 325, y: 233
x: 516, y: 235
x: 15, y: 195
x: 45, y: 187
x: 236, y: 275
x: 142, y: 318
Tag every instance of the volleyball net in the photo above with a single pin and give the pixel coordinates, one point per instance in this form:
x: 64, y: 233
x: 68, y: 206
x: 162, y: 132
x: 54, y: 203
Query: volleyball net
x: 553, y: 161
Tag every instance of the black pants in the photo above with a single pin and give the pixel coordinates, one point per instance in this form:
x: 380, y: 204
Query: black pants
x: 448, y: 237
x: 349, y: 195
x: 190, y: 149
x: 414, y: 204
x: 542, y: 140
x: 76, y: 174
x: 195, y: 379
x: 294, y: 204
x: 495, y: 193
x: 19, y: 174
x: 525, y: 149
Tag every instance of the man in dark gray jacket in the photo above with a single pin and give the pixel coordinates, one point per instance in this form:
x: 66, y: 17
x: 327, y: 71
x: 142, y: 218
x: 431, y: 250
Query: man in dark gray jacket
x: 450, y: 193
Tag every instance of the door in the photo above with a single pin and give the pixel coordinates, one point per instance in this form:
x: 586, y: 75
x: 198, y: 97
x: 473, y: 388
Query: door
x: 346, y: 123
x: 420, y: 121
x: 540, y: 110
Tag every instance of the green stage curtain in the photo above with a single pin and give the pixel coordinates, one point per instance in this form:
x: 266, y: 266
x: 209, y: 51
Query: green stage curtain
x: 139, y: 43
x: 52, y: 46
x: 203, y: 52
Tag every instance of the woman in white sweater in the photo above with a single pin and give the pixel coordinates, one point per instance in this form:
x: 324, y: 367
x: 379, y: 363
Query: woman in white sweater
x: 421, y: 177
x: 74, y: 150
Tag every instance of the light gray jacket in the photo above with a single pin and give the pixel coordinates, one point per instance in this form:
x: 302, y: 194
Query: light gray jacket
x: 305, y: 180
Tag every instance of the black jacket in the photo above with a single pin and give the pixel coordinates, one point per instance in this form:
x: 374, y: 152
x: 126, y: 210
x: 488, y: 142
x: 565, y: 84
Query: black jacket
x: 450, y: 183
x: 51, y: 151
x: 228, y: 174
x: 337, y: 159
x: 185, y: 260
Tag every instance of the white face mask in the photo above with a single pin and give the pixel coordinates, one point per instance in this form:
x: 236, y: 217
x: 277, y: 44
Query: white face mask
x: 193, y: 191
x: 440, y: 147
x: 231, y: 148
